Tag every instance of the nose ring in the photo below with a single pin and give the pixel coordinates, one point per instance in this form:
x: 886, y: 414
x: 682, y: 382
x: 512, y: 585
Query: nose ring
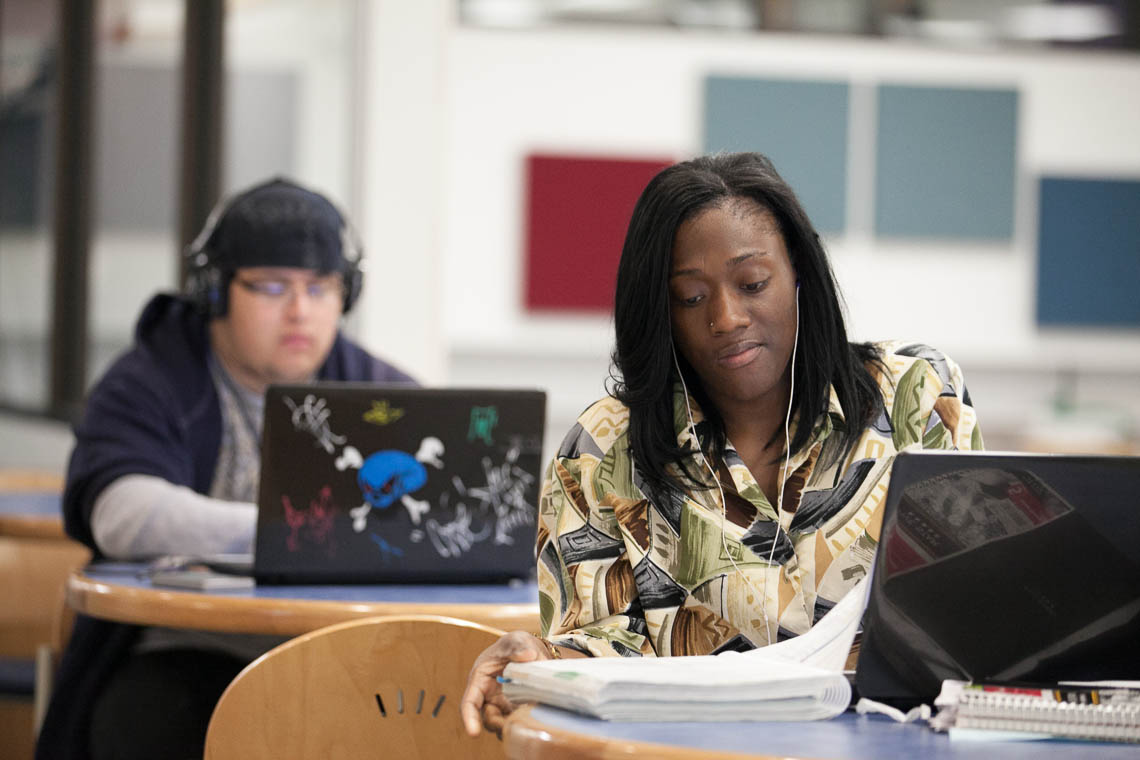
x: 711, y: 324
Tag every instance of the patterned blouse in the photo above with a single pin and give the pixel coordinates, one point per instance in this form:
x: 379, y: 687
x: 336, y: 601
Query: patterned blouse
x: 619, y: 574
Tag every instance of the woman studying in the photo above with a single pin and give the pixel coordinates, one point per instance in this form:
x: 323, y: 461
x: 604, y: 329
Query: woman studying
x: 727, y: 493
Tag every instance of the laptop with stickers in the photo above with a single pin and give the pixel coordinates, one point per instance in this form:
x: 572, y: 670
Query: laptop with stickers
x: 1003, y: 567
x: 366, y: 483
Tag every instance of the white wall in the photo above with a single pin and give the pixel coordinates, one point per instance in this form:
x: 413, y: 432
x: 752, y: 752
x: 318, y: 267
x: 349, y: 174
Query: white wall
x: 401, y: 162
x: 426, y: 149
x: 28, y: 443
x: 311, y: 45
x: 638, y: 91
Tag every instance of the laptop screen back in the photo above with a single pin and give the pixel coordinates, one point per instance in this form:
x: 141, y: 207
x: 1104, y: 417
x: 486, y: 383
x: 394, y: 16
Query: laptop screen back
x: 1003, y: 567
x: 368, y: 483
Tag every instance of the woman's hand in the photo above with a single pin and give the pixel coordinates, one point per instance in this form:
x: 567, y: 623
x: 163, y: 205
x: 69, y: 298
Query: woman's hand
x: 483, y: 703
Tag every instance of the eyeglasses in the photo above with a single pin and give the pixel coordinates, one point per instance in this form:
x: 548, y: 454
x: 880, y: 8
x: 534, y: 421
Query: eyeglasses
x: 277, y: 290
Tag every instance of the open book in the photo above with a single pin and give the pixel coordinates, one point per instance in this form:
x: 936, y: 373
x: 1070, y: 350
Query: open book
x: 798, y: 679
x: 726, y: 687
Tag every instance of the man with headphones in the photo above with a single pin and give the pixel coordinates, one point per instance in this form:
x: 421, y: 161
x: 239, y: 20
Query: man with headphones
x: 167, y: 454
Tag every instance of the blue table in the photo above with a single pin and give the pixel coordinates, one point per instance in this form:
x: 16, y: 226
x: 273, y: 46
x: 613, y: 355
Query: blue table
x: 30, y: 514
x: 537, y: 731
x: 121, y: 591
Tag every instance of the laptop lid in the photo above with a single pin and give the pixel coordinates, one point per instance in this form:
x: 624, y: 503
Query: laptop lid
x: 1003, y: 567
x: 366, y: 483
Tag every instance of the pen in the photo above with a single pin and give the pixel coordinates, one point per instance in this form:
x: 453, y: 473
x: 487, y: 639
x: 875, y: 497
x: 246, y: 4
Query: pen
x: 502, y: 679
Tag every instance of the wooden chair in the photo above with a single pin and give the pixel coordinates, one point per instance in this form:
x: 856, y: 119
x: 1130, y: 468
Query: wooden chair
x: 48, y: 656
x: 384, y: 686
x: 35, y: 560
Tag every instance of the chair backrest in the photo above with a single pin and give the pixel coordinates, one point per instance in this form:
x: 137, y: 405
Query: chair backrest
x: 50, y: 652
x: 34, y: 572
x: 376, y: 687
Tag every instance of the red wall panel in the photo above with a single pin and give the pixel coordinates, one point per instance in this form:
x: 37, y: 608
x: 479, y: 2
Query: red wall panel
x: 577, y: 210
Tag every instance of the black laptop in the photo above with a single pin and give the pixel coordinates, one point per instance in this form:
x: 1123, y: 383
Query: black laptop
x: 365, y: 483
x: 1003, y: 567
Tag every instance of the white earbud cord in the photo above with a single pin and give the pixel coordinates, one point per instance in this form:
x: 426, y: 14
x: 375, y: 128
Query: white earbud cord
x: 762, y: 594
x: 787, y: 456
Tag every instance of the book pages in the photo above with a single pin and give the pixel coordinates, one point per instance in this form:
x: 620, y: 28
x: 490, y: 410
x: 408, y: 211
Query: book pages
x: 731, y: 687
x: 828, y: 642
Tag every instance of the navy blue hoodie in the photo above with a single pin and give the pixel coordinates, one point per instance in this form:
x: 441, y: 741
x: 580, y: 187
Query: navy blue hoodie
x: 155, y: 412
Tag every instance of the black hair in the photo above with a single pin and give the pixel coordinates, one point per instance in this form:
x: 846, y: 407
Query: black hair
x: 644, y: 373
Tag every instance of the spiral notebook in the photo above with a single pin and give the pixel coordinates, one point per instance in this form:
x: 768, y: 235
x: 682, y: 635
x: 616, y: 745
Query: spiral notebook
x: 989, y: 712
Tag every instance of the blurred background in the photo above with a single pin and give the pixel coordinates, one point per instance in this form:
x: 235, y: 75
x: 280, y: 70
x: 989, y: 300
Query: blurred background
x: 973, y: 165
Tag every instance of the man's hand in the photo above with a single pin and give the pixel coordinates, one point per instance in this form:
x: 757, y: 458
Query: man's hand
x: 483, y: 704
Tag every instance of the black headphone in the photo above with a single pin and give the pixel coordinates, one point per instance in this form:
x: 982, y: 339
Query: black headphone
x: 208, y: 279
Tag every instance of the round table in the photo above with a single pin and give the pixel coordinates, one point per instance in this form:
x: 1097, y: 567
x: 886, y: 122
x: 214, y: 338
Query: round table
x: 30, y: 514
x: 538, y: 732
x: 122, y: 592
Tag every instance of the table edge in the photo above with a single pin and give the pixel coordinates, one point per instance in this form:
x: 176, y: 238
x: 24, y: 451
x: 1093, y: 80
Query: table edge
x: 290, y: 617
x: 525, y: 737
x: 31, y: 526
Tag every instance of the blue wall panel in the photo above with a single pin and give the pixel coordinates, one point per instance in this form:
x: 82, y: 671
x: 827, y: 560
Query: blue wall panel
x: 1088, y: 252
x: 800, y: 125
x: 945, y: 163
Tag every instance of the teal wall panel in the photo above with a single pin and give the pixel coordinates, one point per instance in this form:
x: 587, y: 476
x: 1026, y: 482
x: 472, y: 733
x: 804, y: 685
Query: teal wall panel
x: 800, y: 125
x: 945, y: 163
